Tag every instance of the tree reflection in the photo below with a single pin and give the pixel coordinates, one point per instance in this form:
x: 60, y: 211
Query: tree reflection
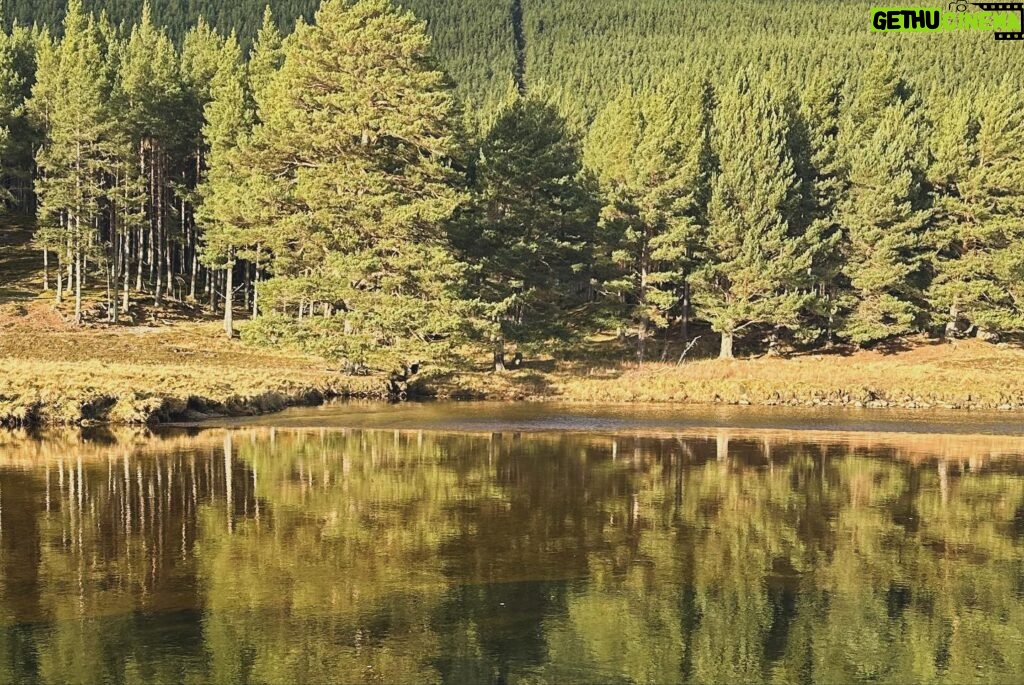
x: 381, y: 556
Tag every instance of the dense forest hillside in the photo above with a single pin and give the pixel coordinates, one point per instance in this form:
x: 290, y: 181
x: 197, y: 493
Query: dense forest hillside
x: 581, y: 53
x: 472, y: 37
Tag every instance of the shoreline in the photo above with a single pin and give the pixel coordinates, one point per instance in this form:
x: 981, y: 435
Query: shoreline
x: 54, y: 374
x: 104, y: 400
x: 661, y: 420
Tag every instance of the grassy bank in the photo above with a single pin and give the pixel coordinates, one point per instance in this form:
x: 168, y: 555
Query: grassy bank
x: 921, y: 375
x: 56, y: 374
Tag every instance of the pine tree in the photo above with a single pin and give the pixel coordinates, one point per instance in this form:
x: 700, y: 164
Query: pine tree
x: 979, y: 233
x: 228, y: 123
x: 152, y: 85
x: 201, y: 54
x: 754, y: 269
x: 125, y: 200
x: 531, y: 227
x: 815, y: 146
x: 266, y: 57
x: 650, y: 152
x: 357, y: 134
x: 17, y: 139
x: 882, y: 212
x: 73, y: 94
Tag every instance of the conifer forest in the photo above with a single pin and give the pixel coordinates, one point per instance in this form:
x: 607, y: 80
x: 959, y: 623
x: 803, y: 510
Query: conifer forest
x: 371, y: 180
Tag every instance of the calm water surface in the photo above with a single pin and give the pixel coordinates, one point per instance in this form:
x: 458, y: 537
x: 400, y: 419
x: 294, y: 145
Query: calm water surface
x: 481, y: 544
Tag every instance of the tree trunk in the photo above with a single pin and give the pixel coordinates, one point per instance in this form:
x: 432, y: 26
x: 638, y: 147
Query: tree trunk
x: 139, y: 256
x: 115, y: 280
x: 168, y: 253
x: 71, y: 266
x: 107, y: 274
x: 194, y: 275
x: 78, y: 287
x: 641, y: 333
x: 256, y: 290
x: 46, y: 271
x: 126, y: 268
x: 60, y: 282
x: 499, y: 354
x: 726, y: 352
x: 247, y: 290
x: 229, y: 325
x: 641, y: 340
x: 954, y: 315
x: 685, y: 326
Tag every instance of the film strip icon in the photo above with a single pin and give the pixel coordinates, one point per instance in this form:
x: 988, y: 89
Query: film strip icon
x: 1005, y: 7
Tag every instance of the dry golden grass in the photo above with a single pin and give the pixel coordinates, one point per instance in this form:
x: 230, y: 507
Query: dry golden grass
x: 56, y: 373
x: 968, y: 375
x: 59, y: 374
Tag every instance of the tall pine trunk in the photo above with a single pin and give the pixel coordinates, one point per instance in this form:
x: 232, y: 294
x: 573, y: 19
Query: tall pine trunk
x: 78, y: 280
x: 60, y: 281
x: 499, y: 353
x: 256, y: 288
x: 229, y: 326
x: 685, y: 325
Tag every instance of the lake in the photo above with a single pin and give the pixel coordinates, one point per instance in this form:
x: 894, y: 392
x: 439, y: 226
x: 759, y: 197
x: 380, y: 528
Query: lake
x: 489, y: 543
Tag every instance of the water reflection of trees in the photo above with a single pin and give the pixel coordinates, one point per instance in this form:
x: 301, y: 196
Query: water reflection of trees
x: 342, y: 556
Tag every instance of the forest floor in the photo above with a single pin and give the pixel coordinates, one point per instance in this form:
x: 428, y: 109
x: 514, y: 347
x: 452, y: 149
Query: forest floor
x: 174, y: 363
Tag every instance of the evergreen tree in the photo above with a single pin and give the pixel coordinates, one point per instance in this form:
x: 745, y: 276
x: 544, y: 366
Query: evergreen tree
x: 357, y: 134
x: 17, y: 74
x: 126, y: 198
x: 201, y: 54
x: 531, y: 228
x: 754, y: 269
x: 228, y: 123
x: 650, y: 153
x: 979, y: 234
x: 72, y: 97
x: 266, y: 57
x: 882, y: 212
x: 152, y: 86
x: 814, y: 140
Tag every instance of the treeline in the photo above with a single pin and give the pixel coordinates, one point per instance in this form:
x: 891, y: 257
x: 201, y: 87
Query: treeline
x: 329, y: 182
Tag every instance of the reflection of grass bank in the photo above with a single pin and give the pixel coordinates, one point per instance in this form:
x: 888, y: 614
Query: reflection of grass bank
x: 970, y: 375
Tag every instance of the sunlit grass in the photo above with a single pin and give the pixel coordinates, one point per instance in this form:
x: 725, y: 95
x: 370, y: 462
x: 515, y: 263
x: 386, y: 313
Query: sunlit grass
x: 968, y: 375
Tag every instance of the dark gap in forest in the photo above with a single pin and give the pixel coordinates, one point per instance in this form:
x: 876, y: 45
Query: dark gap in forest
x: 519, y: 36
